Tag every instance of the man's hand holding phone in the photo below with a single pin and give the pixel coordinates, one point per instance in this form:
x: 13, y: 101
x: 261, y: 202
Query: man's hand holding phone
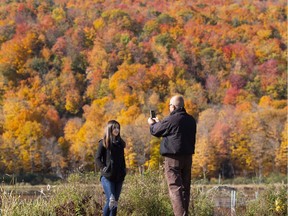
x: 152, y: 114
x: 152, y: 118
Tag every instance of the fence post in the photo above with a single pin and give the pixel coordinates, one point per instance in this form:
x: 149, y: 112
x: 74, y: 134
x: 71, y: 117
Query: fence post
x: 233, y: 202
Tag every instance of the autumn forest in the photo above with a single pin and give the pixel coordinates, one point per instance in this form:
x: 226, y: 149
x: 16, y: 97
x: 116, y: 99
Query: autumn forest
x: 68, y: 66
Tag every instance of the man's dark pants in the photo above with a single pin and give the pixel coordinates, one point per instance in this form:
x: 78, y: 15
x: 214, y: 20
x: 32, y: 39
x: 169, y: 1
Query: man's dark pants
x: 178, y: 176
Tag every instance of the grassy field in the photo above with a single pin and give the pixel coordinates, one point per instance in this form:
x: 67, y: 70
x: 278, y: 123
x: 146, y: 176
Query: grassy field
x: 142, y: 195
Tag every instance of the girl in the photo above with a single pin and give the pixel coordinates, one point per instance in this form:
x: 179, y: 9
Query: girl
x: 110, y: 159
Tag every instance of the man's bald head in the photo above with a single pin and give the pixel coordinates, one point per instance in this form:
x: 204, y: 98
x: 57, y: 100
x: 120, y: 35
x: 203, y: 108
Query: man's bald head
x: 177, y: 101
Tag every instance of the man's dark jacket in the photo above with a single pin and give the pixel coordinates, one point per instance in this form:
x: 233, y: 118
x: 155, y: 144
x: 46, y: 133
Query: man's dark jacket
x: 178, y: 131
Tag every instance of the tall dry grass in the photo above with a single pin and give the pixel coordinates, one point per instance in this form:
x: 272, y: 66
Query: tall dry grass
x: 142, y: 195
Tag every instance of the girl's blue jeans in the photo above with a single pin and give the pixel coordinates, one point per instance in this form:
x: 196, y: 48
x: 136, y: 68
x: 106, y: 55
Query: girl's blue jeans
x: 112, y: 192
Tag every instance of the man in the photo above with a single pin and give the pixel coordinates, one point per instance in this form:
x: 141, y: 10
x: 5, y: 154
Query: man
x: 177, y: 146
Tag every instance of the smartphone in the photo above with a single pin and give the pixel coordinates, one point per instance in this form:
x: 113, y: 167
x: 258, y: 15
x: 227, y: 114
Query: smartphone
x: 152, y: 114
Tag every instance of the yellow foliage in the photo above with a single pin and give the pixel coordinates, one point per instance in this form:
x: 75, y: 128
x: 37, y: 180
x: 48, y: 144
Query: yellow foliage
x: 15, y: 52
x: 269, y: 49
x: 130, y: 155
x: 265, y: 101
x: 241, y: 151
x: 204, y: 159
x: 176, y: 32
x: 101, y: 102
x: 225, y: 84
x: 29, y: 132
x: 98, y: 57
x: 264, y: 33
x: 89, y: 34
x: 129, y: 100
x: 191, y: 107
x: 16, y: 113
x: 126, y: 81
x: 131, y: 161
x: 124, y: 74
x: 122, y: 93
x: 280, y: 206
x: 98, y: 24
x: 261, y: 16
x: 61, y: 141
x: 72, y: 101
x: 150, y: 26
x: 282, y: 151
x: 129, y: 115
x: 83, y: 143
x: 182, y: 85
x: 155, y: 159
x: 86, y: 138
x: 242, y: 96
x: 96, y: 113
x: 58, y: 14
x: 71, y: 129
x: 279, y: 104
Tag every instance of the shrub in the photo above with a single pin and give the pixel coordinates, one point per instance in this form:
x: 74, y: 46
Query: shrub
x: 145, y: 195
x: 276, y: 178
x: 273, y: 201
x: 72, y: 198
x: 201, y: 203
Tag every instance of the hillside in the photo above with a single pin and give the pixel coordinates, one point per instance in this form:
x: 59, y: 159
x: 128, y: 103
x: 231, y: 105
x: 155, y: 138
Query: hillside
x: 67, y: 67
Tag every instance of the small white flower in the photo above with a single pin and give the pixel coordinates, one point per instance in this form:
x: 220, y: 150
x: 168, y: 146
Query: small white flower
x: 48, y: 187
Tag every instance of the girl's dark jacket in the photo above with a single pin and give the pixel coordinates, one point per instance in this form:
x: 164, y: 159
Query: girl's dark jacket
x: 112, y: 161
x: 178, y: 131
